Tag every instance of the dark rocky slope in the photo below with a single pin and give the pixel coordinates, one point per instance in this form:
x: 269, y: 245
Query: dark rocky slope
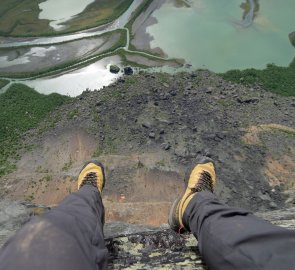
x: 147, y: 129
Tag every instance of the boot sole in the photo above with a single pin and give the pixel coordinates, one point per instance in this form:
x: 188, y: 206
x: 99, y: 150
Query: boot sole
x: 199, y: 160
x: 99, y: 164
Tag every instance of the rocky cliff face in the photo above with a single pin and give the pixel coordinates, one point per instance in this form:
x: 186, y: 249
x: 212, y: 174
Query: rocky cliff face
x: 137, y: 246
x: 147, y: 129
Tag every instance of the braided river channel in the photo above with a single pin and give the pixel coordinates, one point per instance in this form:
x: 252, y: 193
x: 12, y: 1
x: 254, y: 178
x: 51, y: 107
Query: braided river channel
x: 218, y: 35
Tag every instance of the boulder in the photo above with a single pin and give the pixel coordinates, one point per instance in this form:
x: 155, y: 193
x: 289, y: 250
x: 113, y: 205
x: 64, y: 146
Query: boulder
x: 146, y: 124
x: 166, y: 146
x: 246, y: 100
x: 128, y: 71
x: 114, y: 69
x: 152, y: 135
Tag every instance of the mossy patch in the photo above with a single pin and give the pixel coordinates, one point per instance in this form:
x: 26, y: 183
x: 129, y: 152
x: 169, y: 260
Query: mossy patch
x: 279, y: 80
x: 3, y: 83
x: 21, y: 108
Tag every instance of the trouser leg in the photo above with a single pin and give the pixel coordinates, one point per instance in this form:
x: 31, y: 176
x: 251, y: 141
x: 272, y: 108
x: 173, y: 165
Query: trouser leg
x: 231, y: 238
x: 67, y: 237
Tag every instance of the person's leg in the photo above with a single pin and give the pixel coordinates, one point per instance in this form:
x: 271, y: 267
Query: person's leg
x: 231, y: 238
x: 67, y: 237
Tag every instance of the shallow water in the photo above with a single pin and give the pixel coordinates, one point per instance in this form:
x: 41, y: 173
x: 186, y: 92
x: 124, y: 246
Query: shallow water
x: 210, y: 34
x: 60, y: 11
x: 25, y: 58
x: 94, y: 76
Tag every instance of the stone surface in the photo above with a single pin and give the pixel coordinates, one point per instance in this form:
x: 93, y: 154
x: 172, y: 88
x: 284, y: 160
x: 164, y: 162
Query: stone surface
x: 152, y: 135
x: 164, y: 249
x: 136, y: 246
x: 128, y: 71
x: 252, y: 144
x: 114, y: 69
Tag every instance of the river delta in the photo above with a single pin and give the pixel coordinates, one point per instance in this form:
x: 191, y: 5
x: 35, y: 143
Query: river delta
x: 219, y: 36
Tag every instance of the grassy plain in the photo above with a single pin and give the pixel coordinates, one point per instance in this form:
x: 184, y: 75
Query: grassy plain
x: 20, y: 18
x: 279, y: 80
x: 21, y: 108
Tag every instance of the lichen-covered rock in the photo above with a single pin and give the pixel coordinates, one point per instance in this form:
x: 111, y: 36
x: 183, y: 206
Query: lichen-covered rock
x: 136, y: 246
x: 164, y: 249
x: 154, y: 250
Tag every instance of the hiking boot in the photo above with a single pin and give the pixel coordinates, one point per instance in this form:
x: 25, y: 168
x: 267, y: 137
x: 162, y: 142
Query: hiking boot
x: 92, y: 173
x: 201, y: 177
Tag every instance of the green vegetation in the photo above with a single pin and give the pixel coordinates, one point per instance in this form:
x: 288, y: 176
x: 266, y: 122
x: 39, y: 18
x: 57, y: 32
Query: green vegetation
x: 279, y: 80
x: 67, y: 165
x: 21, y: 108
x: 104, y: 35
x: 290, y: 133
x: 29, y: 198
x: 69, y: 190
x: 98, y: 13
x: 46, y: 178
x: 125, y: 62
x: 72, y: 114
x: 140, y: 165
x: 13, y: 21
x: 98, y: 152
x: 225, y: 103
x: 145, y: 4
x: 116, y: 94
x: 160, y: 164
x: 76, y: 62
x: 20, y: 18
x: 122, y: 53
x: 40, y: 169
x: 3, y: 83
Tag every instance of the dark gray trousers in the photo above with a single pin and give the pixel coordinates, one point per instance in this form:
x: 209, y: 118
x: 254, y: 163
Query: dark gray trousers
x: 69, y: 237
x: 231, y: 238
